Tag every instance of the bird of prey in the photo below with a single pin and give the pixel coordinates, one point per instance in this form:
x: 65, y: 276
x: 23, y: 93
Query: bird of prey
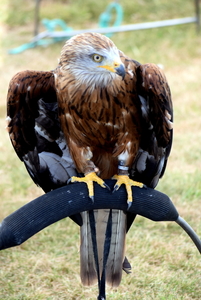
x: 98, y: 115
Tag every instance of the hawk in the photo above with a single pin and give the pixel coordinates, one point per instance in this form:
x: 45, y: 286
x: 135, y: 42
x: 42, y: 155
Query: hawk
x: 98, y: 115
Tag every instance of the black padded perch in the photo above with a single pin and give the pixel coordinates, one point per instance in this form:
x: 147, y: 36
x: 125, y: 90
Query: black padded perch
x: 73, y: 198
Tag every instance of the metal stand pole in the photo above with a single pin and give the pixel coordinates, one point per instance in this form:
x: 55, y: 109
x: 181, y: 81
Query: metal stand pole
x: 197, y: 13
x: 36, y: 21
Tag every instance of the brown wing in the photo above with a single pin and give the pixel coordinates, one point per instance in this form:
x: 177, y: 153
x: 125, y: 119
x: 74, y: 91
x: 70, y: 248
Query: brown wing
x: 157, y: 116
x: 34, y: 129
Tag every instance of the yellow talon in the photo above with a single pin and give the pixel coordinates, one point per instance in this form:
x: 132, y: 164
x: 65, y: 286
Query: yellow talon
x: 89, y: 179
x: 124, y: 179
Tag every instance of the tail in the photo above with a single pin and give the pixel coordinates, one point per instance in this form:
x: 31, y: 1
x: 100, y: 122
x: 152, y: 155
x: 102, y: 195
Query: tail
x: 88, y: 268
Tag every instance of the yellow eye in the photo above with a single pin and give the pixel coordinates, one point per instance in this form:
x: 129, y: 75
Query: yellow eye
x: 97, y: 58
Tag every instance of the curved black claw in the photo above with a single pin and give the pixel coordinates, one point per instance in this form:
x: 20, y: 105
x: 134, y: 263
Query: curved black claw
x: 69, y: 180
x: 116, y: 187
x: 129, y: 205
x: 107, y: 186
x: 92, y: 198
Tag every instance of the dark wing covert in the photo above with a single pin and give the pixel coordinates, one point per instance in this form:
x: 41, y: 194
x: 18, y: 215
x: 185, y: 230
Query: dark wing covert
x: 35, y: 131
x: 157, y: 117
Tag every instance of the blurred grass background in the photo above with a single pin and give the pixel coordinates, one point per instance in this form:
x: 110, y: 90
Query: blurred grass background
x: 166, y: 265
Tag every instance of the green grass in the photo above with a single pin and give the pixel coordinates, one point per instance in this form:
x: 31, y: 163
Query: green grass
x: 77, y: 13
x: 166, y: 265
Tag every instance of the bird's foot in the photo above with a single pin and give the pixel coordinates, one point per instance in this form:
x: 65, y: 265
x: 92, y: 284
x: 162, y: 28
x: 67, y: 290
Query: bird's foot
x: 89, y: 179
x: 124, y: 179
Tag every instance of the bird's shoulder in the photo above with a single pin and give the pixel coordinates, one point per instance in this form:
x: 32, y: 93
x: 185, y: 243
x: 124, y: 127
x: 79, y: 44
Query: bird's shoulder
x: 34, y: 128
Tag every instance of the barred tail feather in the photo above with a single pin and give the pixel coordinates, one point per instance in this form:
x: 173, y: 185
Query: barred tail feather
x: 116, y: 254
x: 117, y: 248
x: 87, y: 264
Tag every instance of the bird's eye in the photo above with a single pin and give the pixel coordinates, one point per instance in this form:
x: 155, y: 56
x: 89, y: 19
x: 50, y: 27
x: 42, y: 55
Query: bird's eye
x: 97, y: 58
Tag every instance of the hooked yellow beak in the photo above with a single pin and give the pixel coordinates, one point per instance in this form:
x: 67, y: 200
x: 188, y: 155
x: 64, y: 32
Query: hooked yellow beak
x: 117, y: 68
x: 120, y: 70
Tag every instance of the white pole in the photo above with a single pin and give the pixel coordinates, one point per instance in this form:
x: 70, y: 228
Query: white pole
x: 122, y: 28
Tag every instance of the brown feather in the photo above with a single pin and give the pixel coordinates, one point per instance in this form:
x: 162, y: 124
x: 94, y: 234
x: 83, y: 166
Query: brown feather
x: 117, y: 247
x: 107, y: 120
x: 100, y: 119
x: 25, y: 89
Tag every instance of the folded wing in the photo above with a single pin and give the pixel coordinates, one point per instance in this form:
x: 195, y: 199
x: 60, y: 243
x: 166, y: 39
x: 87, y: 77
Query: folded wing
x: 157, y: 125
x: 34, y: 129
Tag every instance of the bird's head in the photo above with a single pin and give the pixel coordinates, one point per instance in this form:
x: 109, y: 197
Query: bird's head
x: 93, y: 59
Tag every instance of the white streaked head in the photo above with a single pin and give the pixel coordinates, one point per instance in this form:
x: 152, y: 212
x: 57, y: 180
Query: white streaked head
x: 92, y: 58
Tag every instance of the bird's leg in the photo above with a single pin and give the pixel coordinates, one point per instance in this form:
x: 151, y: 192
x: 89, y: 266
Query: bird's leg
x: 123, y: 178
x: 90, y: 171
